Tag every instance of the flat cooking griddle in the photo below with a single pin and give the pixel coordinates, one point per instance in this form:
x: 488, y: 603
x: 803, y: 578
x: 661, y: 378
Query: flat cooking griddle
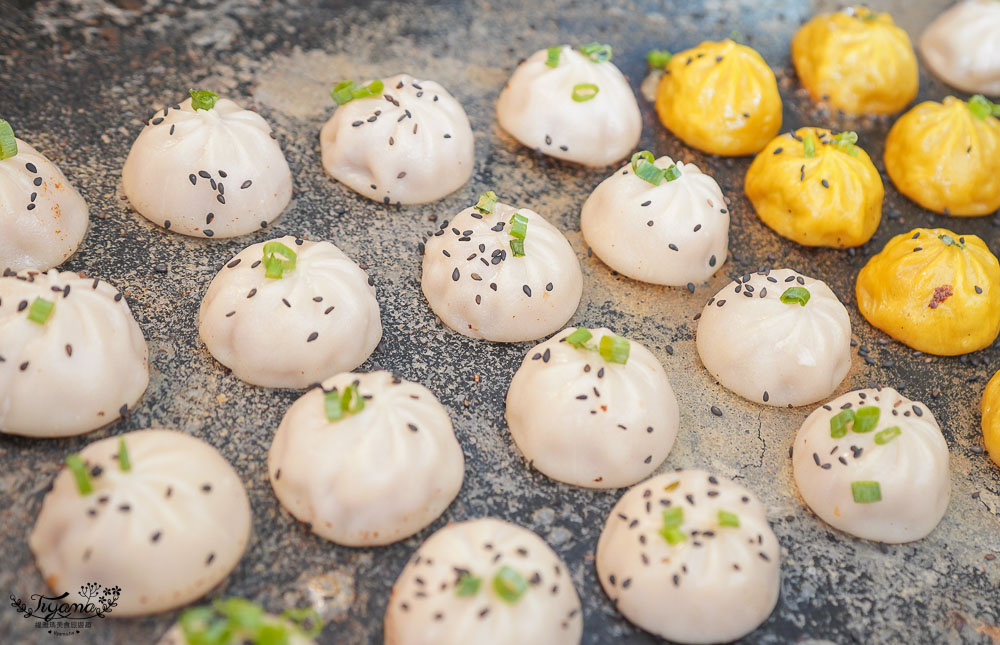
x: 78, y: 77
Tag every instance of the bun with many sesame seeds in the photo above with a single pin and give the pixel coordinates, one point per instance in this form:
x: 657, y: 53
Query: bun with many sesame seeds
x: 42, y: 217
x: 673, y: 232
x: 484, y: 581
x: 216, y: 172
x: 410, y: 144
x: 479, y: 287
x: 165, y: 521
x: 72, y: 357
x: 315, y: 318
x: 588, y: 421
x: 874, y: 464
x: 690, y: 557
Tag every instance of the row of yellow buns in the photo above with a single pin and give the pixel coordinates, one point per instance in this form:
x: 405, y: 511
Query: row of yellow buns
x: 721, y: 97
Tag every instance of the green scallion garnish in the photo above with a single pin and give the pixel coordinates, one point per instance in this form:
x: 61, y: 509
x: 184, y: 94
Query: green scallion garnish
x: 338, y: 405
x: 579, y: 338
x: 672, y: 519
x: 203, y: 99
x: 509, y: 584
x: 883, y: 437
x: 643, y: 164
x: 597, y: 52
x: 468, y: 585
x: 950, y: 241
x: 795, y: 295
x: 584, y: 92
x: 614, y: 349
x: 346, y: 91
x: 124, y: 463
x: 518, y: 231
x: 278, y: 260
x: 839, y: 421
x: 866, y: 492
x: 729, y: 519
x: 8, y: 144
x: 553, y: 56
x: 240, y: 620
x: 658, y: 58
x: 486, y: 202
x: 40, y: 310
x: 845, y: 142
x: 80, y: 474
x: 671, y: 173
x: 809, y: 146
x: 866, y: 418
x: 981, y: 107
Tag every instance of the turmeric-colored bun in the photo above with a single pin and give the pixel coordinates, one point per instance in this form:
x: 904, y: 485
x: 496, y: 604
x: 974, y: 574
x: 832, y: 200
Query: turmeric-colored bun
x: 721, y: 98
x: 934, y: 290
x: 946, y: 158
x: 991, y: 418
x: 828, y: 195
x: 858, y: 60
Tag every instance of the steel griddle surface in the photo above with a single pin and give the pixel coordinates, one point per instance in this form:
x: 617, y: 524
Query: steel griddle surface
x: 77, y: 78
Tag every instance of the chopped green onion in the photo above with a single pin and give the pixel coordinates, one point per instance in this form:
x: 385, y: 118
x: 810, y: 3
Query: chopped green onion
x: 509, y: 584
x: 486, y: 202
x: 671, y: 173
x: 203, y: 99
x: 672, y: 519
x: 274, y: 266
x: 866, y: 492
x: 950, y: 241
x: 649, y: 172
x: 203, y: 626
x: 839, y: 421
x: 844, y: 141
x: 579, y: 338
x: 8, y: 144
x: 729, y: 519
x: 80, y: 475
x: 883, y: 437
x: 40, y: 310
x: 639, y: 157
x: 346, y: 91
x: 584, y: 92
x: 337, y: 405
x: 468, y: 585
x: 517, y: 248
x: 342, y: 92
x: 736, y: 36
x: 518, y: 226
x: 123, y: 461
x: 658, y: 58
x: 793, y: 295
x: 597, y: 52
x: 243, y: 621
x: 866, y: 418
x: 302, y: 617
x: 809, y: 146
x: 981, y: 107
x: 553, y: 56
x: 242, y: 613
x: 614, y: 349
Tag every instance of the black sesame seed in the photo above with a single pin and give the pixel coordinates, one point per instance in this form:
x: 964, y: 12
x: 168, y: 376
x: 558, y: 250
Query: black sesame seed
x: 716, y: 411
x: 455, y: 275
x: 313, y: 336
x: 527, y: 290
x: 194, y: 179
x: 209, y: 232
